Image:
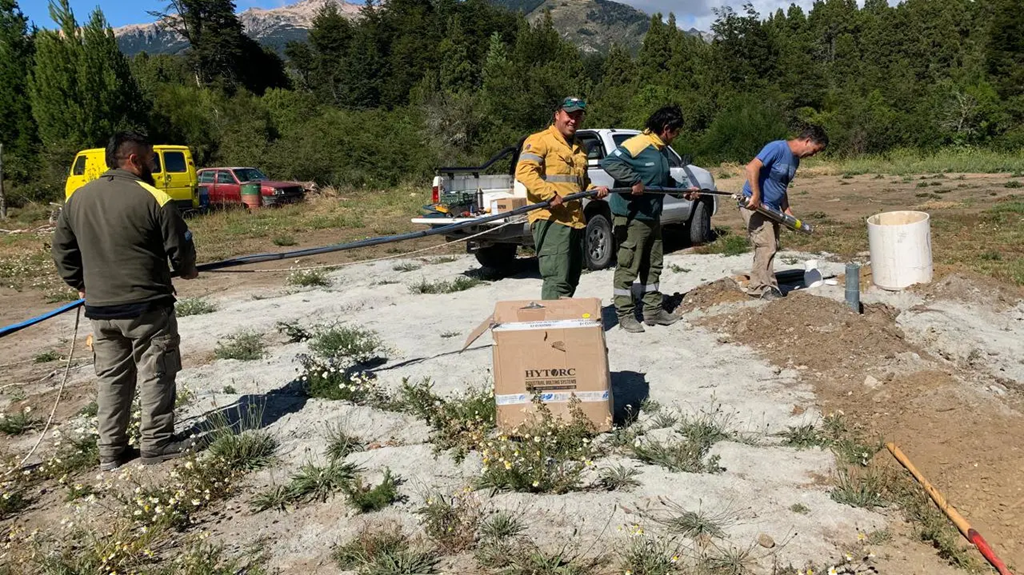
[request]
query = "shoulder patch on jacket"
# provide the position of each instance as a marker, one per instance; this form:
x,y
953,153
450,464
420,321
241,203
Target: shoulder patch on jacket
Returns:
x,y
159,195
636,144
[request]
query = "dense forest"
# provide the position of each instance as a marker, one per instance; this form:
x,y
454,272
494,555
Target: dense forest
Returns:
x,y
415,83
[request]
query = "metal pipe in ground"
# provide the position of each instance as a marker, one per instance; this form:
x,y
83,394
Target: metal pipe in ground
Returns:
x,y
853,286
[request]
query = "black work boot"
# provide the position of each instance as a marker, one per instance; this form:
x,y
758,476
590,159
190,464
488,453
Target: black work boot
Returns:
x,y
629,323
171,450
111,463
661,317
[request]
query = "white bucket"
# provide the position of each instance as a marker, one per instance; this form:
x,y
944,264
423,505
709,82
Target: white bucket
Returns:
x,y
901,249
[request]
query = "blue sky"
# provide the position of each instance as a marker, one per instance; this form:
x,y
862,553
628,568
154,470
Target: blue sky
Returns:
x,y
689,13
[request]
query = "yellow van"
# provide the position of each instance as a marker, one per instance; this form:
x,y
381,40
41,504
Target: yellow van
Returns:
x,y
174,173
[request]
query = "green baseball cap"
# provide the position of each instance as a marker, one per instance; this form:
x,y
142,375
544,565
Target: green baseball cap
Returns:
x,y
574,104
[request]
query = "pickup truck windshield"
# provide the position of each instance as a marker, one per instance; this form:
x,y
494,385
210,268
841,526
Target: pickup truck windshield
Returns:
x,y
250,175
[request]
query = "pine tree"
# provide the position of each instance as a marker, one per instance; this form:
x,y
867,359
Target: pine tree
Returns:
x,y
457,71
54,85
330,40
1004,51
220,53
17,128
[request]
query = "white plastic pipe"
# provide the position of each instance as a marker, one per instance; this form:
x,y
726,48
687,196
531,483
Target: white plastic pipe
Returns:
x,y
901,249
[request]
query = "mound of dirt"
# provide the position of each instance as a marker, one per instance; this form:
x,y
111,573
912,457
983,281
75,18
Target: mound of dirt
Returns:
x,y
709,295
819,333
971,288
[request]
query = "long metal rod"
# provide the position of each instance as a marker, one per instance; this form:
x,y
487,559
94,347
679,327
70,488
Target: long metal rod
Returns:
x,y
438,230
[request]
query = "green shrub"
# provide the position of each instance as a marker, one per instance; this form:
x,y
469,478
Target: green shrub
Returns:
x,y
354,343
244,346
547,454
193,306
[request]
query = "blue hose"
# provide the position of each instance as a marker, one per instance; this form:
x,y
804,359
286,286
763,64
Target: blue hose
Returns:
x,y
30,322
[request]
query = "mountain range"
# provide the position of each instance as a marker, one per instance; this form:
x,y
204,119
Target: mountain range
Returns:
x,y
593,25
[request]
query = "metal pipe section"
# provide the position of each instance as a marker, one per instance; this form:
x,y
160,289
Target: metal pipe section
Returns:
x,y
853,286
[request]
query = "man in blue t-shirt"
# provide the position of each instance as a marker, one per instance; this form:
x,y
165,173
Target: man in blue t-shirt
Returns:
x,y
768,177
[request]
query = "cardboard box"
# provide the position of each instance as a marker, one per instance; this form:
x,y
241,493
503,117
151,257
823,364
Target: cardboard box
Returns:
x,y
508,204
552,348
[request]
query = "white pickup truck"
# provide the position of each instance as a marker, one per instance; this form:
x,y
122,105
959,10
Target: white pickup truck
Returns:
x,y
462,194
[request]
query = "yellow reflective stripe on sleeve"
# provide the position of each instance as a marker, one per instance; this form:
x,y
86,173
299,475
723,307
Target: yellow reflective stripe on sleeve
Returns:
x,y
159,195
531,157
563,179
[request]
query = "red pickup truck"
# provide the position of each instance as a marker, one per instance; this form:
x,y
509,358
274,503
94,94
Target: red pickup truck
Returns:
x,y
224,186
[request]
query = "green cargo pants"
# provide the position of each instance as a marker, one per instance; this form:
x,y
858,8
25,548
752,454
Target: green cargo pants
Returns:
x,y
560,256
144,350
640,256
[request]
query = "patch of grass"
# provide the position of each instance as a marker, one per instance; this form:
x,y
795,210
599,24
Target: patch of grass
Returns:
x,y
355,343
450,334
59,294
502,525
310,483
46,357
908,162
385,550
922,185
799,508
90,409
406,267
647,554
697,434
526,558
833,434
284,240
75,454
1014,184
193,306
367,499
78,491
229,389
444,260
678,269
618,478
698,524
726,244
860,488
460,283
319,483
547,454
309,278
247,451
341,444
243,346
17,423
992,256
451,522
460,422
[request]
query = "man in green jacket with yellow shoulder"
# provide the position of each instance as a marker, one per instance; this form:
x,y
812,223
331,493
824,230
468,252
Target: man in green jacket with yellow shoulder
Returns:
x,y
639,162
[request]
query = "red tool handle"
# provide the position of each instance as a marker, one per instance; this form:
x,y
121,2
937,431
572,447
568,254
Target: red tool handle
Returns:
x,y
982,545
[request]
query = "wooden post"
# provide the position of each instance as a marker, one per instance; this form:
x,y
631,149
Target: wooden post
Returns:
x,y
3,200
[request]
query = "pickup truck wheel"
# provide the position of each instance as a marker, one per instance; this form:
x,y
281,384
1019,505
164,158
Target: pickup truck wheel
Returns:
x,y
600,243
700,224
498,257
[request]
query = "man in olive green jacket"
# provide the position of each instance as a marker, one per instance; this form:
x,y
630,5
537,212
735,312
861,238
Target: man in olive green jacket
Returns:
x,y
112,243
639,162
